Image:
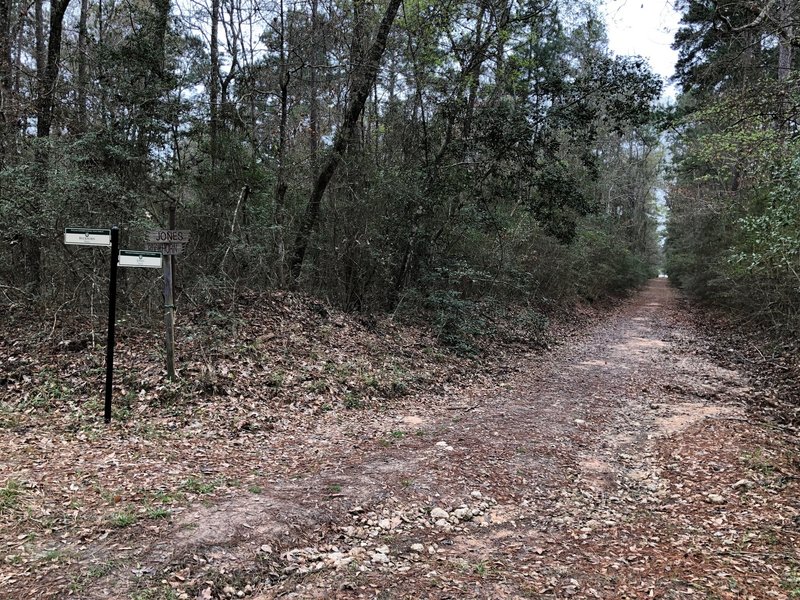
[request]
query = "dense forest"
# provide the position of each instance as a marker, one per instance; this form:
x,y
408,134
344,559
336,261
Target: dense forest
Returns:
x,y
734,232
399,155
380,155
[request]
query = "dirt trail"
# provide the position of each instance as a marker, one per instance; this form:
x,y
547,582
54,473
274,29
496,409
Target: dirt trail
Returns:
x,y
613,468
620,465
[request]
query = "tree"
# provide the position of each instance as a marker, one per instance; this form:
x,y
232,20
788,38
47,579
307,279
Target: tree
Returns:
x,y
734,148
394,154
362,79
7,112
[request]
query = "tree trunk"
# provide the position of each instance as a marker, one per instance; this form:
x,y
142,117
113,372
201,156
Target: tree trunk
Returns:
x,y
152,107
8,112
47,82
313,91
44,122
281,184
784,60
213,84
233,35
7,116
82,45
785,55
19,33
363,78
40,49
160,37
474,73
785,39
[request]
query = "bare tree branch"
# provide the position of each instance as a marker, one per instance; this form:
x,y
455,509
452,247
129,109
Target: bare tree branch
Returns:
x,y
762,16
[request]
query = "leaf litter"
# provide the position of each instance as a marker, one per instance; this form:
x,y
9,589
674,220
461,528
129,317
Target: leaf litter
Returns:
x,y
305,453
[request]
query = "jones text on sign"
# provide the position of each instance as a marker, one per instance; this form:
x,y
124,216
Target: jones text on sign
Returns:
x,y
168,236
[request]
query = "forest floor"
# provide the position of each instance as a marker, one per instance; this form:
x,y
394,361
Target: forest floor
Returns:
x,y
308,455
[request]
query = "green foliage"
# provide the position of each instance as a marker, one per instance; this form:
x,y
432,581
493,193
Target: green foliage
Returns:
x,y
734,228
771,237
765,255
791,583
508,157
455,320
158,592
353,402
604,266
9,494
196,485
123,519
157,512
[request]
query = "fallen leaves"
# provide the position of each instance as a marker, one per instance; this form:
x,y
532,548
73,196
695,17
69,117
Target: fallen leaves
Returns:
x,y
304,452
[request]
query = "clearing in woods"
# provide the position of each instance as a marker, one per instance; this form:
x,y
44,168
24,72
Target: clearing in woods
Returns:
x,y
622,464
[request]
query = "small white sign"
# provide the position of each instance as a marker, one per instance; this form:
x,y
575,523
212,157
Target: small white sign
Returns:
x,y
81,236
139,258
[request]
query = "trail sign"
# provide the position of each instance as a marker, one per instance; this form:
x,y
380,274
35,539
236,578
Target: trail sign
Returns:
x,y
168,241
81,236
112,321
168,236
166,248
119,258
140,258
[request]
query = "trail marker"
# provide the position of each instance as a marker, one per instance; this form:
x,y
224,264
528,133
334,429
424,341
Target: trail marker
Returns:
x,y
140,258
168,236
167,249
81,236
170,242
112,320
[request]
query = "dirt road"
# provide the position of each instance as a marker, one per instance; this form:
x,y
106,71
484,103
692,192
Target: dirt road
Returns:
x,y
622,464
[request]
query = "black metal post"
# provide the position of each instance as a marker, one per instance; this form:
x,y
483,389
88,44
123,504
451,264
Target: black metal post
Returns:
x,y
112,319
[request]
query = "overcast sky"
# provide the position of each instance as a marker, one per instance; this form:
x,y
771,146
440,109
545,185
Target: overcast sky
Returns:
x,y
645,28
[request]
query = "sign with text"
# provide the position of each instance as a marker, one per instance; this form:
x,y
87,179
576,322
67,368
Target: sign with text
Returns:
x,y
168,236
81,236
140,258
167,249
168,241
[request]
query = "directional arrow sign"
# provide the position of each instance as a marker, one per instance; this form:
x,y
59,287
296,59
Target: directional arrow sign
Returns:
x,y
166,249
81,236
140,258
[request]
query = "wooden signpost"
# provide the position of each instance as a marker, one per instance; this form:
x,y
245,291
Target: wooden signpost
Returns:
x,y
175,239
169,242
